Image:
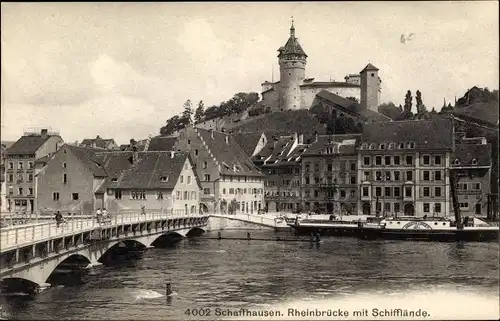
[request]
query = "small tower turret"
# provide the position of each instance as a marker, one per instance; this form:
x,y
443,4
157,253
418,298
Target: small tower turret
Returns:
x,y
370,87
292,61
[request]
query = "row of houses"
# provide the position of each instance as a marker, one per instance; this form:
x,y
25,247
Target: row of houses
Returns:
x,y
392,167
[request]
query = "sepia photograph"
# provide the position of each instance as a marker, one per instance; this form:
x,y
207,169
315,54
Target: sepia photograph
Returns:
x,y
330,160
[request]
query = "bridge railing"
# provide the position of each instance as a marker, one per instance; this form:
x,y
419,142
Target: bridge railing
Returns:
x,y
18,235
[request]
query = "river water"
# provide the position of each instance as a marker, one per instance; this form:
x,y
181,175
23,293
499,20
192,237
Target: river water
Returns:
x,y
447,280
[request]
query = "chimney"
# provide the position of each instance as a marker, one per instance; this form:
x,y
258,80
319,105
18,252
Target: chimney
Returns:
x,y
227,139
301,139
172,154
44,133
212,133
135,157
97,137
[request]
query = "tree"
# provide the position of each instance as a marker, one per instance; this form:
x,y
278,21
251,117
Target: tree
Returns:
x,y
173,124
422,112
188,109
407,114
199,113
390,110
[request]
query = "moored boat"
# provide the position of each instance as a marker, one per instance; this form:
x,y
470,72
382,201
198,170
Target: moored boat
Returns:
x,y
331,227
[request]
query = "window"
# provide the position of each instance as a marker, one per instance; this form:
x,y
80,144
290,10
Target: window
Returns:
x,y
196,152
409,160
307,180
366,160
11,190
408,192
397,175
409,175
342,193
427,160
387,191
437,160
464,206
387,176
378,191
437,208
378,160
231,191
396,208
186,195
65,178
74,196
353,179
367,176
365,191
396,160
206,177
118,194
206,191
189,179
20,165
387,207
193,195
316,167
427,176
205,164
30,191
426,207
20,190
397,191
437,191
138,195
164,178
316,193
353,166
378,175
55,196
178,195
381,146
412,145
159,195
477,186
437,175
10,178
329,167
306,167
11,165
64,165
189,141
182,178
31,165
387,160
427,191
30,177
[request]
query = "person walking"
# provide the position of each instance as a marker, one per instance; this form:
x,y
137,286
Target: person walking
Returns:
x,y
143,210
98,215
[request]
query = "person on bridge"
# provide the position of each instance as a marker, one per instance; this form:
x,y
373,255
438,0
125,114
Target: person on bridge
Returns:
x,y
143,210
98,216
59,218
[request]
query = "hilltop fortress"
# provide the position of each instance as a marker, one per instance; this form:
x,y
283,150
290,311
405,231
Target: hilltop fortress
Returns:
x,y
295,91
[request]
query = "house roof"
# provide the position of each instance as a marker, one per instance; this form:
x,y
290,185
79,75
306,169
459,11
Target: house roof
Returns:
x,y
486,113
467,153
349,105
89,159
369,67
344,144
248,141
433,134
115,162
162,143
148,170
98,141
231,157
28,144
281,147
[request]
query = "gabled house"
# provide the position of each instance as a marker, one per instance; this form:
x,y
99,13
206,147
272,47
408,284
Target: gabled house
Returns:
x,y
99,142
230,180
20,159
162,180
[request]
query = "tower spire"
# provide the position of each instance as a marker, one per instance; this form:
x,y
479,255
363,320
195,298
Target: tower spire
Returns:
x,y
292,29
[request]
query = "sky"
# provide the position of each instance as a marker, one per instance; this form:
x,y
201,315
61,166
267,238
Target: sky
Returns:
x,y
120,70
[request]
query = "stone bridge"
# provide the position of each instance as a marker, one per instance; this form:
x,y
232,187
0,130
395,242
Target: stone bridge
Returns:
x,y
32,252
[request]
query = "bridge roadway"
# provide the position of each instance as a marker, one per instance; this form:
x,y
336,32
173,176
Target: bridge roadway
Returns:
x,y
33,251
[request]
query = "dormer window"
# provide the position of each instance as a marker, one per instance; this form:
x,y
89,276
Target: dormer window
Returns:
x,y
372,146
401,145
391,146
456,162
164,178
474,162
364,146
381,146
412,144
114,179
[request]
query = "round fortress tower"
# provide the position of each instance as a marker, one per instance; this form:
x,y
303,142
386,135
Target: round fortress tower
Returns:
x,y
292,61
